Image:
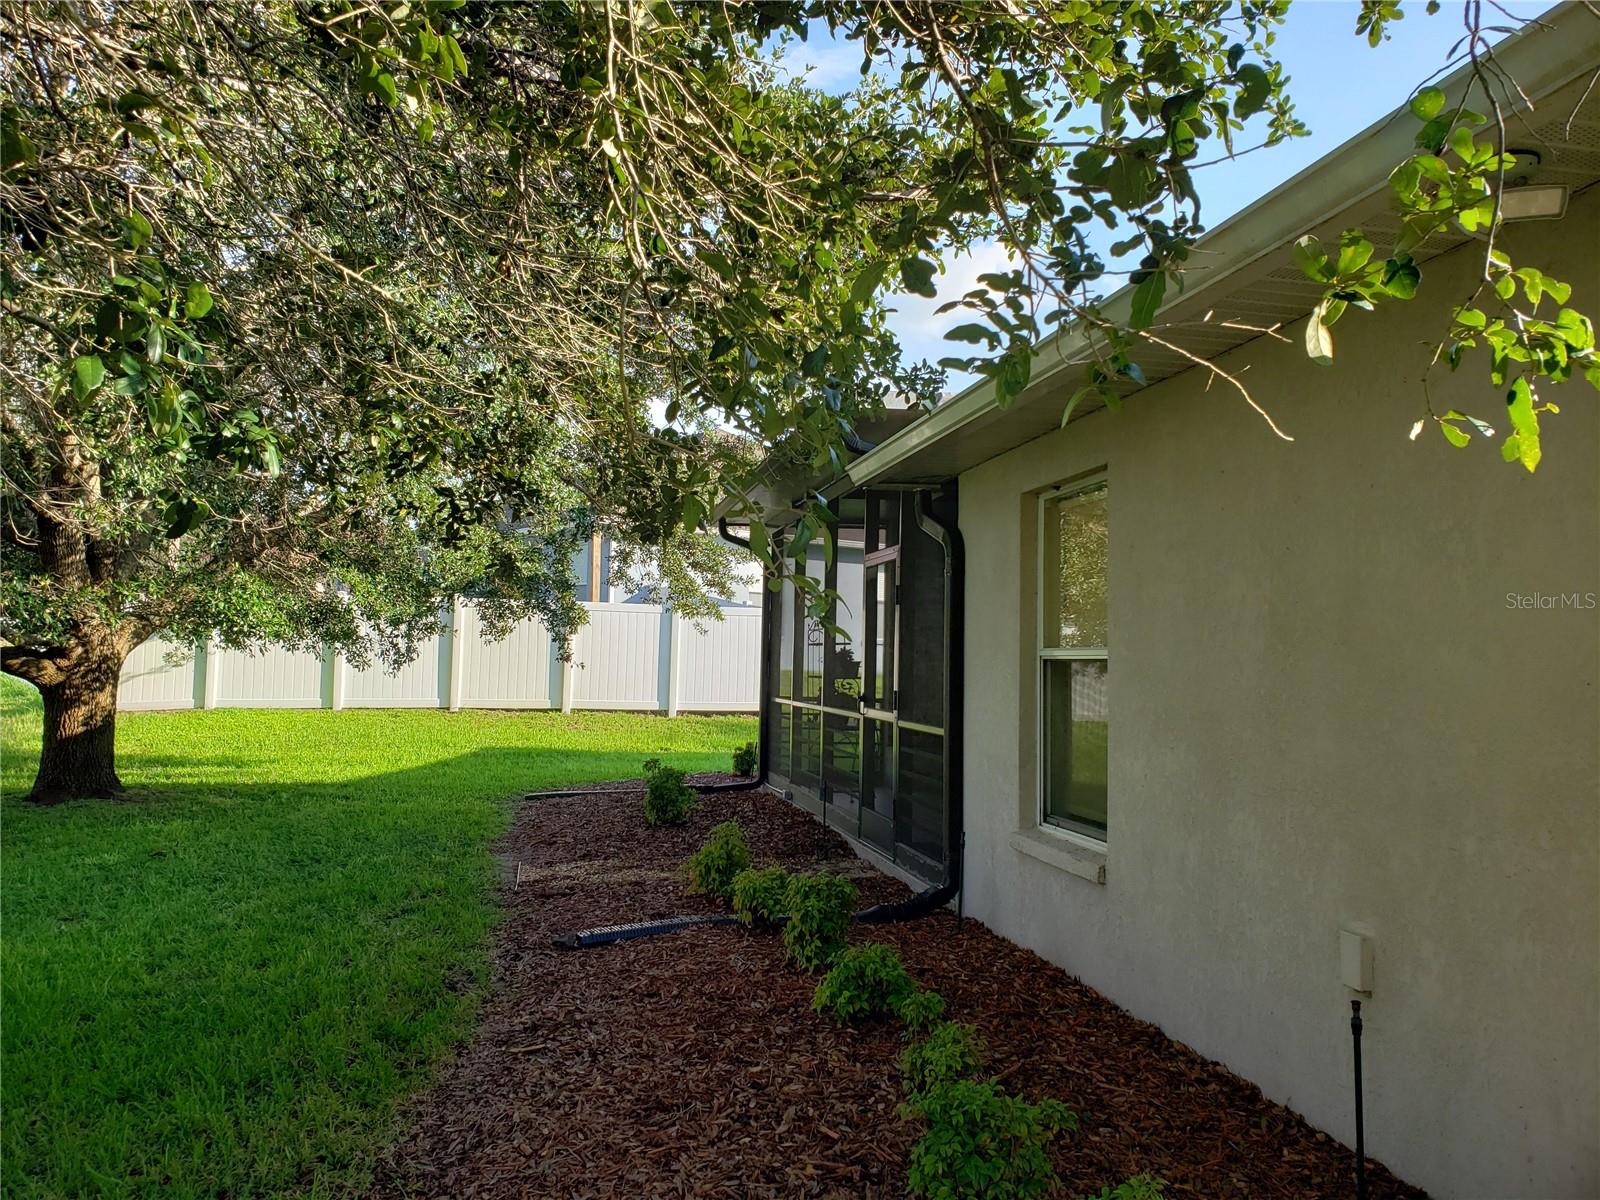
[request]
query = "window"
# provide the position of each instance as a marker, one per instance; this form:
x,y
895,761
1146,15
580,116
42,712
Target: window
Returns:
x,y
1072,659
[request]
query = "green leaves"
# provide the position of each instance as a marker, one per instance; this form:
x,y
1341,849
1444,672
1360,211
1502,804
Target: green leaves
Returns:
x,y
183,514
868,280
88,373
917,276
1015,367
1537,285
1146,300
1523,443
973,332
1255,86
197,300
1401,277
1354,252
136,229
1132,181
1427,104
1310,257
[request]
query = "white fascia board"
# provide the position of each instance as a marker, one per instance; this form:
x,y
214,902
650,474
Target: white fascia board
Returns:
x,y
1552,50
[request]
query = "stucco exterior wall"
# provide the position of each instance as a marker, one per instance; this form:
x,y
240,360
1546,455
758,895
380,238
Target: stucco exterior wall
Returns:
x,y
1325,713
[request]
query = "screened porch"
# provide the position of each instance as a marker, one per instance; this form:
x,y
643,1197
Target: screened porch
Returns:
x,y
857,722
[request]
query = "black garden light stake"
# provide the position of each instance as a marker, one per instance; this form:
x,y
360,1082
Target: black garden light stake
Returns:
x,y
1361,1133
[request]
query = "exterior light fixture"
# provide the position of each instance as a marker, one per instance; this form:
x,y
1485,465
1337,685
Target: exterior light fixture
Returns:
x,y
1537,202
1521,199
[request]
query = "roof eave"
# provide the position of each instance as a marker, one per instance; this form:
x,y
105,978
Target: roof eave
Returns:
x,y
1551,51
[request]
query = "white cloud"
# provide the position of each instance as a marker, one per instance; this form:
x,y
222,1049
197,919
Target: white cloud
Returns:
x,y
921,328
826,64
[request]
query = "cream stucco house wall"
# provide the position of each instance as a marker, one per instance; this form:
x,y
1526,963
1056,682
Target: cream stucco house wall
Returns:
x,y
1326,710
1348,684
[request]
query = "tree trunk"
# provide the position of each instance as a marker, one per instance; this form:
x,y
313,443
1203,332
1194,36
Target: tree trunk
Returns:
x,y
78,757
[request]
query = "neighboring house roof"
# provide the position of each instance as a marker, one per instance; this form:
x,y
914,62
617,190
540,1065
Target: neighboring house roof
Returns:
x,y
1247,275
644,596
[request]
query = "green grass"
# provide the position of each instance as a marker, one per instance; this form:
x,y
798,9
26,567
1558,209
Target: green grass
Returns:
x,y
223,985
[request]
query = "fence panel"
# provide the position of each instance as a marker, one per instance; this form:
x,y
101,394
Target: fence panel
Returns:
x,y
275,678
519,671
618,658
719,668
424,682
149,681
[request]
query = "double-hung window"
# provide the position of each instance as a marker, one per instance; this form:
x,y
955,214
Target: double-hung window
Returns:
x,y
1073,658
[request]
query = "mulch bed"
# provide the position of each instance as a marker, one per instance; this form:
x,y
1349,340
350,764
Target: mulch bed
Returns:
x,y
692,1065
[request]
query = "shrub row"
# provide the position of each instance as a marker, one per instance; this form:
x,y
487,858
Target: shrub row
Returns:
x,y
814,910
979,1142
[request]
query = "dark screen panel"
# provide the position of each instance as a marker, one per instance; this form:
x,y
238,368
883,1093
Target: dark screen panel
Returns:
x,y
780,721
879,669
814,636
807,771
919,794
922,640
841,758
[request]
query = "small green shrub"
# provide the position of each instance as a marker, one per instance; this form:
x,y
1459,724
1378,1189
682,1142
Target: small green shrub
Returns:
x,y
982,1144
668,800
948,1054
712,868
759,896
865,981
744,759
921,1010
1140,1187
819,906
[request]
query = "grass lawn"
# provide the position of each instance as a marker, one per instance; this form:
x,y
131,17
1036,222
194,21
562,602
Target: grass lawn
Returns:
x,y
224,984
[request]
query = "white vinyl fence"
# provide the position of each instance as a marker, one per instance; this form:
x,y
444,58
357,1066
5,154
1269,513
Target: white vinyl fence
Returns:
x,y
628,656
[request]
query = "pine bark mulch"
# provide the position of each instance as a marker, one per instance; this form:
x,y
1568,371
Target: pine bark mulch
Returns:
x,y
691,1064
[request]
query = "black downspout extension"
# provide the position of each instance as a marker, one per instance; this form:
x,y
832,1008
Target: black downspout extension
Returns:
x,y
1361,1131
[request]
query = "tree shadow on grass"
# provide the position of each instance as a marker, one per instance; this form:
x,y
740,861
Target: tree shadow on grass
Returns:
x,y
227,986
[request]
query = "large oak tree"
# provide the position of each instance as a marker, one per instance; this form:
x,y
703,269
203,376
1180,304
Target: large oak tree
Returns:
x,y
317,313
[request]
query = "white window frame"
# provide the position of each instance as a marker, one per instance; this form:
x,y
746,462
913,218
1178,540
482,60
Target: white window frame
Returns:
x,y
1044,654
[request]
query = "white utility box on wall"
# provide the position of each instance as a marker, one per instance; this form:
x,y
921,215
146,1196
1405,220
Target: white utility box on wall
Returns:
x,y
1355,960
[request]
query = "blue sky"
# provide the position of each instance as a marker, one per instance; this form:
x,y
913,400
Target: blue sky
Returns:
x,y
1338,83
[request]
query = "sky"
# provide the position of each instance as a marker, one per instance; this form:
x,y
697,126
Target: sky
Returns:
x,y
1339,86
